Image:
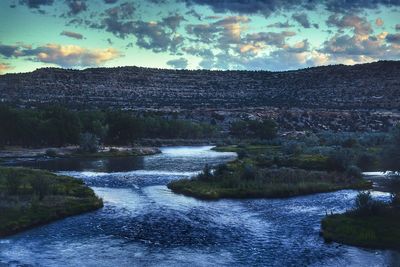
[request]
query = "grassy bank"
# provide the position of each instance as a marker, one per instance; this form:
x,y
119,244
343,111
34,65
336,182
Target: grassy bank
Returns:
x,y
74,151
238,182
279,169
380,231
30,198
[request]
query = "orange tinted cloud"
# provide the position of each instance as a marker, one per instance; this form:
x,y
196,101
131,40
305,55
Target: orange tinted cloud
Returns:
x,y
4,67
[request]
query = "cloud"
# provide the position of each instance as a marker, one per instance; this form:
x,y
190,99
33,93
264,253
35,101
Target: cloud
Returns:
x,y
194,13
358,5
173,21
360,25
36,3
302,19
74,35
397,27
110,1
277,39
153,36
280,25
393,38
261,7
76,6
5,67
74,56
227,30
8,50
65,55
379,22
266,8
180,63
117,20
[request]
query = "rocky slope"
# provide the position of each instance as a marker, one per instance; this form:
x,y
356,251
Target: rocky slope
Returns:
x,y
365,86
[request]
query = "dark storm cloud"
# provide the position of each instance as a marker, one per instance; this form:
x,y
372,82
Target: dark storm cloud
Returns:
x,y
302,19
74,35
265,7
251,6
345,6
180,63
36,3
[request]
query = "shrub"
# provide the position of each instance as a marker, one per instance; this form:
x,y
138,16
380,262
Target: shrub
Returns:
x,y
221,169
51,153
366,161
249,173
205,174
365,205
242,154
354,172
293,148
339,160
349,143
88,143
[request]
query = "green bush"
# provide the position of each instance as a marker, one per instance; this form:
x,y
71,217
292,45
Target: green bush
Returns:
x,y
365,205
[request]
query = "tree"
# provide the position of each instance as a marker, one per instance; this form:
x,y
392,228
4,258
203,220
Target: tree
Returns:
x,y
391,153
248,173
88,143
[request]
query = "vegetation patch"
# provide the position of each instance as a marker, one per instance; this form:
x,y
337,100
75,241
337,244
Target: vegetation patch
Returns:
x,y
30,198
244,181
371,224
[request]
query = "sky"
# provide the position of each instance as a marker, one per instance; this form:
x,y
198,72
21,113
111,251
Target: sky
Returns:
x,y
272,35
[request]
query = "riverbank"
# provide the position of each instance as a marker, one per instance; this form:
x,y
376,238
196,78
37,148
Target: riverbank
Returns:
x,y
73,151
30,198
374,231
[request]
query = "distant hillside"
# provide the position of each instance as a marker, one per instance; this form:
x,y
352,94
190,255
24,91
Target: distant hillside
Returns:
x,y
366,86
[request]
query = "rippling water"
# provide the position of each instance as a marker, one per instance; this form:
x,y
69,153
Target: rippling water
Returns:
x,y
144,224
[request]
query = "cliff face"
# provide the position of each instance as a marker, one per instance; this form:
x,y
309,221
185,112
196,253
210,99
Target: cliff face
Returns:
x,y
366,86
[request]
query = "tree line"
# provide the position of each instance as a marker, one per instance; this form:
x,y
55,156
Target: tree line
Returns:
x,y
58,126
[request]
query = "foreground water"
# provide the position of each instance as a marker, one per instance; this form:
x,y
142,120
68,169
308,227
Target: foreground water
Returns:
x,y
144,224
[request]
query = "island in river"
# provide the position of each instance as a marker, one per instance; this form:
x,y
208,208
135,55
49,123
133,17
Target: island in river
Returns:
x,y
264,171
30,198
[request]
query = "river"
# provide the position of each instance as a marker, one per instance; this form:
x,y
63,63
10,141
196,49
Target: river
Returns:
x,y
144,224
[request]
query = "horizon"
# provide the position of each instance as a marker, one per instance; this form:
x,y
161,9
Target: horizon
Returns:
x,y
194,34
213,70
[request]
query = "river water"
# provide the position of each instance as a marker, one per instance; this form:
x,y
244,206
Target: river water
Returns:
x,y
144,224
